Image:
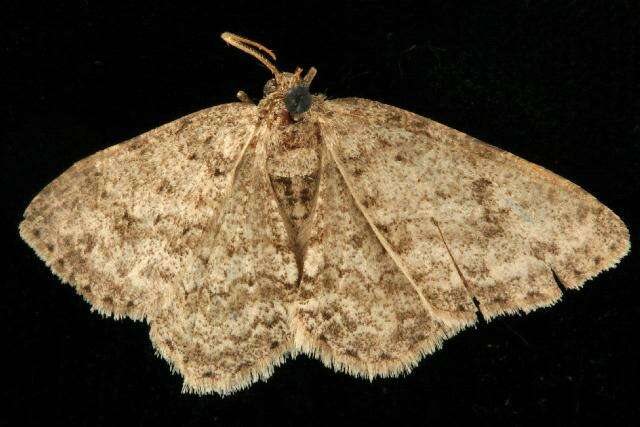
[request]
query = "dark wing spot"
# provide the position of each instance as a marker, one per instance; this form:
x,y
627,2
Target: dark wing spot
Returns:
x,y
351,353
305,196
480,189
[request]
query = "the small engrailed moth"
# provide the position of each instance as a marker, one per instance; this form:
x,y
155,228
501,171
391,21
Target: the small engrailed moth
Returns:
x,y
346,229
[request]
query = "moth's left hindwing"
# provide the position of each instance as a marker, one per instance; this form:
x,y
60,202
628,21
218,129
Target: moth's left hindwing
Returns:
x,y
232,328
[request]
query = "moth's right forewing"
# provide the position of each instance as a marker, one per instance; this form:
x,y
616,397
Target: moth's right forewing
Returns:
x,y
122,226
507,225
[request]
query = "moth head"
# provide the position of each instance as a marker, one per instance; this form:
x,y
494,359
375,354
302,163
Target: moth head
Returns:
x,y
291,88
298,99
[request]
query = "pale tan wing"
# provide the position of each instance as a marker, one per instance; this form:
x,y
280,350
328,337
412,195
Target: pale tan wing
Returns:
x,y
507,223
356,310
231,329
122,225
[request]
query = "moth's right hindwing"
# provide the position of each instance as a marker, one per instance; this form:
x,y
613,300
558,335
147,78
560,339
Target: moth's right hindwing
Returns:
x,y
356,310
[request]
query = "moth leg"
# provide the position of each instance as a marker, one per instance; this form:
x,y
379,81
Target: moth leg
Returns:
x,y
244,98
308,78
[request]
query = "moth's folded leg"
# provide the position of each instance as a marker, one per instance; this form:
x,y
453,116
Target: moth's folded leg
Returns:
x,y
224,337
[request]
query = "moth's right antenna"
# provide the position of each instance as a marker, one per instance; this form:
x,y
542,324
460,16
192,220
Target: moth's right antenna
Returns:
x,y
251,47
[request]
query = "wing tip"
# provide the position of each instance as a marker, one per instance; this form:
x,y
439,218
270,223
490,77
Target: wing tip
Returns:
x,y
613,261
105,306
574,275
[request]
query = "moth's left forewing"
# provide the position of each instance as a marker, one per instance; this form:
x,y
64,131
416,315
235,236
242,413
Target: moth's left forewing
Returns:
x,y
122,226
505,224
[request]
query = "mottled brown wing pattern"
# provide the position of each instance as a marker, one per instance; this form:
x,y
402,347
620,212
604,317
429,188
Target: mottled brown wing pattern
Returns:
x,y
179,226
186,226
507,224
121,225
355,309
232,328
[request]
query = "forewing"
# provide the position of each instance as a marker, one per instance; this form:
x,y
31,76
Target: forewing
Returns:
x,y
356,310
123,225
507,224
229,330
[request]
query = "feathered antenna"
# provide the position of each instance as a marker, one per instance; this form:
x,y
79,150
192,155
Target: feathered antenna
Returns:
x,y
252,48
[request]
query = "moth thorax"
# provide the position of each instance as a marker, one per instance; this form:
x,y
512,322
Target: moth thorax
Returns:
x,y
293,164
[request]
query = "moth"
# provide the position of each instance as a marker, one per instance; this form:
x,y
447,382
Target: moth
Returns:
x,y
346,229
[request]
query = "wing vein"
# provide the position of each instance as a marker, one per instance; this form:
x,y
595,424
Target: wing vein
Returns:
x,y
383,241
264,175
465,283
231,184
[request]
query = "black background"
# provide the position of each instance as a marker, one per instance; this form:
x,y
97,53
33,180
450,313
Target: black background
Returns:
x,y
555,82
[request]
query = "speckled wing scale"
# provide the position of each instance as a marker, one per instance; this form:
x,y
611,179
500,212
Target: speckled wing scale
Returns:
x,y
418,225
349,230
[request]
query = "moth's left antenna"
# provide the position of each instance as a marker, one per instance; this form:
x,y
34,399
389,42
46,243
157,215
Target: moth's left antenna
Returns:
x,y
252,48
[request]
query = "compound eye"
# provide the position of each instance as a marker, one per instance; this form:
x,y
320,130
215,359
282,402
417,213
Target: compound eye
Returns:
x,y
298,99
269,87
